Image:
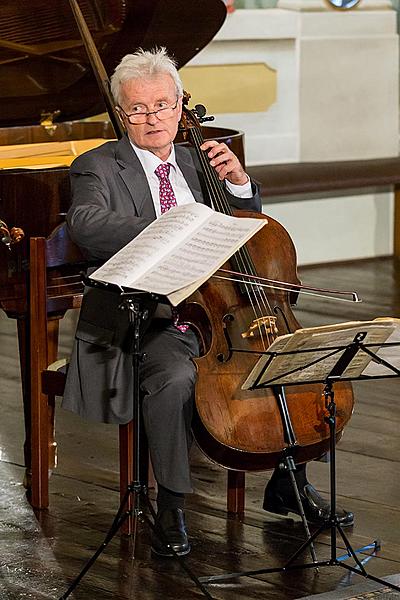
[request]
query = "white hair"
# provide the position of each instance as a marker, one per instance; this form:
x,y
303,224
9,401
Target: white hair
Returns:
x,y
143,64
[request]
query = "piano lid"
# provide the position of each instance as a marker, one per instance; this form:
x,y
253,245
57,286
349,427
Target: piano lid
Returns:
x,y
43,63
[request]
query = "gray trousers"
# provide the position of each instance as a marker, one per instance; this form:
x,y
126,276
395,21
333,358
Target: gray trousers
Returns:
x,y
99,383
167,379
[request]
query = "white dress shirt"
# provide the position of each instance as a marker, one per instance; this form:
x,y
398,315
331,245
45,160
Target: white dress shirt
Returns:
x,y
183,195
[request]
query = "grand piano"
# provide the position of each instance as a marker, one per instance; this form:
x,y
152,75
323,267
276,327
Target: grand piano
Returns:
x,y
47,87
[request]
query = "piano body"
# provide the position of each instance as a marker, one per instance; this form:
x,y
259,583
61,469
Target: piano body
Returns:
x,y
46,88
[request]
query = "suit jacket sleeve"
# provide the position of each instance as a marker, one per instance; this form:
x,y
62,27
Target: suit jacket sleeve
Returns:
x,y
102,218
253,203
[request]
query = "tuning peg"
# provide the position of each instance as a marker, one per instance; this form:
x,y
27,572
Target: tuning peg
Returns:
x,y
200,110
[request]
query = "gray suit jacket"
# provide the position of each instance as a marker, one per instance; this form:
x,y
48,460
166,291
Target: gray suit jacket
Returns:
x,y
111,204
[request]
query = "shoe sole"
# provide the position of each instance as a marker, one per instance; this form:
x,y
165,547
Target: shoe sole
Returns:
x,y
282,510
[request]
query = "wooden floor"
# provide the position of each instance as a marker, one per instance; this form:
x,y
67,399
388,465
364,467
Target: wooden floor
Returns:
x,y
40,555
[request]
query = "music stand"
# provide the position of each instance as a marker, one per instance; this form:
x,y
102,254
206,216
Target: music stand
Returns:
x,y
137,304
336,373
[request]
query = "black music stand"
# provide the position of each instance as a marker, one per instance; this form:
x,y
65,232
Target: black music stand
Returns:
x,y
137,304
346,353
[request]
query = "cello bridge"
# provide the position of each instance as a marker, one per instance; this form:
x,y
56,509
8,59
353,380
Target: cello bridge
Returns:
x,y
264,325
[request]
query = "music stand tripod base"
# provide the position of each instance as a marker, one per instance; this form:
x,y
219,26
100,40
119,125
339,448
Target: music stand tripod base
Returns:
x,y
332,524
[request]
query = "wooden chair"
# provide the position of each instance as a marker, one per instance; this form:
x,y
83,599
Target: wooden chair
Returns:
x,y
55,287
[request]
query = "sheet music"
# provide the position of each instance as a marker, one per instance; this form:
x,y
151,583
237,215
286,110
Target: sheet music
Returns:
x,y
317,364
197,257
185,245
391,354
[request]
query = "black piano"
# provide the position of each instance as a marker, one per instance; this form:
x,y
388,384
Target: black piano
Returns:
x,y
47,87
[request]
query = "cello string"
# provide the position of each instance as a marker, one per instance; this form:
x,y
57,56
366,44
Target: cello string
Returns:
x,y
242,257
221,204
259,301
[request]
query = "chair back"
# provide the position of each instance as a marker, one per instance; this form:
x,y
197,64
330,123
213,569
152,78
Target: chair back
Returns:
x,y
55,285
55,266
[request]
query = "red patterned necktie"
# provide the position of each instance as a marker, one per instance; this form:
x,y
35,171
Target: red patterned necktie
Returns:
x,y
167,201
167,196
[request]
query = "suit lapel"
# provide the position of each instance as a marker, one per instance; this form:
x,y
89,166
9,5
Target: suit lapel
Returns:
x,y
186,165
134,177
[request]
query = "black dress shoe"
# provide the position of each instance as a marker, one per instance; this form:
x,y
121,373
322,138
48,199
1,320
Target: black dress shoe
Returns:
x,y
172,523
316,509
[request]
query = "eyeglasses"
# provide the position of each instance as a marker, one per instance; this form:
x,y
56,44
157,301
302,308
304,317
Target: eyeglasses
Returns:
x,y
140,116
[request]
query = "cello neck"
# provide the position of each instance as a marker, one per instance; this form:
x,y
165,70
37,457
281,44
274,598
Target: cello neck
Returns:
x,y
214,187
98,68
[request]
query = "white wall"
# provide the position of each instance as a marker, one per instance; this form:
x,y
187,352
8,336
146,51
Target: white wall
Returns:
x,y
337,99
342,228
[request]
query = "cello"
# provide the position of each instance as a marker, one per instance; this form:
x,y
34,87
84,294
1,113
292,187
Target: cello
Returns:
x,y
249,430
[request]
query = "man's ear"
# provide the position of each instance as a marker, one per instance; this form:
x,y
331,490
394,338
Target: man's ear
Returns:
x,y
179,107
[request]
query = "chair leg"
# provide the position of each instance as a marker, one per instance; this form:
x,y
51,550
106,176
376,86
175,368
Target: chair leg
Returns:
x,y
52,351
24,359
52,444
38,362
126,472
40,452
235,492
43,445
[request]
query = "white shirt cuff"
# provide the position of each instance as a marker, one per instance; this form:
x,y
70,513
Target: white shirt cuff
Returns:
x,y
240,191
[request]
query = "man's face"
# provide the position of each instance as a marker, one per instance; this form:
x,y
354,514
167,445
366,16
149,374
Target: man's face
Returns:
x,y
149,94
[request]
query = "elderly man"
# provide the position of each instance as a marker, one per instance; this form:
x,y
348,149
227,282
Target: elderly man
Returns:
x,y
118,189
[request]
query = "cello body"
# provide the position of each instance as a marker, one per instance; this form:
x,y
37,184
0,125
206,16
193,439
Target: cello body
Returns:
x,y
244,429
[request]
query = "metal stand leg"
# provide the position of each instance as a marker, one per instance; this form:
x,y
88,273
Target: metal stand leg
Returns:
x,y
291,467
287,463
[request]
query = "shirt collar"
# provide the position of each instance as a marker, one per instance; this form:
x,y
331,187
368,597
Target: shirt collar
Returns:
x,y
150,161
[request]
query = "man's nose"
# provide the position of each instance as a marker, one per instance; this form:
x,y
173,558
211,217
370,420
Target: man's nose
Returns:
x,y
152,118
